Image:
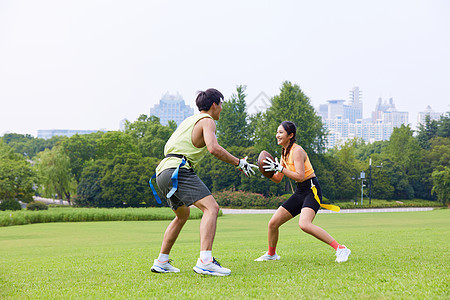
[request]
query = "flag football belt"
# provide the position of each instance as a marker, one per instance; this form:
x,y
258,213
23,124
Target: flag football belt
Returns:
x,y
326,206
184,160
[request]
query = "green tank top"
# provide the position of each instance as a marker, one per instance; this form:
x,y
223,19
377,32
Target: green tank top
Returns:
x,y
181,143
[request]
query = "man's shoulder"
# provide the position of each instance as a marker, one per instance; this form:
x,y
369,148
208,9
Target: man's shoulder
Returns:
x,y
205,119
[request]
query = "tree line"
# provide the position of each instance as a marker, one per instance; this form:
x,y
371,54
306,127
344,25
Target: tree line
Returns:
x,y
112,169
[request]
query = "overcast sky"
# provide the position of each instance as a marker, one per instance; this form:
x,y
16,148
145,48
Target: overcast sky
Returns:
x,y
88,64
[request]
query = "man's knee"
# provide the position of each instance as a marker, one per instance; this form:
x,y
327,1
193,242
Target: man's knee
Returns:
x,y
208,205
182,214
213,208
182,219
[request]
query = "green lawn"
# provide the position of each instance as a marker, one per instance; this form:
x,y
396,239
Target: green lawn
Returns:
x,y
394,255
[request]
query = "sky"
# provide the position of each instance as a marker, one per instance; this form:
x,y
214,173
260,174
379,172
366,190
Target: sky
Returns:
x,y
88,64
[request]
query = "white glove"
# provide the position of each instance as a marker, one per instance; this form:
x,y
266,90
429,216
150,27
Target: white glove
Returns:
x,y
245,167
272,165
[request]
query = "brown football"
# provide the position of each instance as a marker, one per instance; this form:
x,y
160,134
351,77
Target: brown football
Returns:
x,y
262,156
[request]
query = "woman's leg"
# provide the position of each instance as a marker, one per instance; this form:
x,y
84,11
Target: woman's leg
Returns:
x,y
280,217
306,217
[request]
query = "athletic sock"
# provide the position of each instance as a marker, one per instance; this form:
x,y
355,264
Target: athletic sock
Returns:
x,y
271,250
205,256
336,245
163,258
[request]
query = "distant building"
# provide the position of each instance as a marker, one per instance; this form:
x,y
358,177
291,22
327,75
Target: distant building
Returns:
x,y
396,118
122,124
171,107
382,107
355,107
427,112
323,111
48,133
345,121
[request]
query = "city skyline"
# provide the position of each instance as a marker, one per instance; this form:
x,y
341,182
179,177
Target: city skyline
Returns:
x,y
412,119
83,65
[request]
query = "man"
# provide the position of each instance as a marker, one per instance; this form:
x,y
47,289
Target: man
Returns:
x,y
185,148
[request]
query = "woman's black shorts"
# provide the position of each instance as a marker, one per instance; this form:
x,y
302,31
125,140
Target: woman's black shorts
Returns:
x,y
303,197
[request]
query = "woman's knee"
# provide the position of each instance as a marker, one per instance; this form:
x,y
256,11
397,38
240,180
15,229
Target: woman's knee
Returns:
x,y
305,226
274,224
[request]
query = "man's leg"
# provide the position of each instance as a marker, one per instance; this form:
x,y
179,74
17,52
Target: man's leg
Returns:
x,y
210,209
174,228
162,263
206,264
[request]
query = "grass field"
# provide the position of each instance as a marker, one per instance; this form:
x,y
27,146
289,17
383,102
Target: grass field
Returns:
x,y
394,255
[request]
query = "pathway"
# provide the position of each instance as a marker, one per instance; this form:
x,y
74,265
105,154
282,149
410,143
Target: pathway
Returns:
x,y
230,211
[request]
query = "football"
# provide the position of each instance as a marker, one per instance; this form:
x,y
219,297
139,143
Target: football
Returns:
x,y
262,156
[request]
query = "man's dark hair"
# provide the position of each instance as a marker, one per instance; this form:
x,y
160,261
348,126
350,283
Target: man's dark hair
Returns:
x,y
205,99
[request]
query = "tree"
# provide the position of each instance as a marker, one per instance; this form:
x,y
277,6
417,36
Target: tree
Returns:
x,y
115,143
16,176
365,151
293,105
121,182
125,182
150,135
346,167
21,143
441,184
439,153
79,149
404,150
89,190
29,146
53,168
233,128
444,126
426,132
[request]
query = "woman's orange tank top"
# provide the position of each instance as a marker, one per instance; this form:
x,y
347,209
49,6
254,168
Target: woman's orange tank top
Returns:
x,y
289,163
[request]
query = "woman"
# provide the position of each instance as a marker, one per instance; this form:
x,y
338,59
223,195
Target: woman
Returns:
x,y
305,201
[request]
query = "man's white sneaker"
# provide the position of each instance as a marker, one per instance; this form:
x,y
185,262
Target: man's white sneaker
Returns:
x,y
211,268
266,256
166,267
342,254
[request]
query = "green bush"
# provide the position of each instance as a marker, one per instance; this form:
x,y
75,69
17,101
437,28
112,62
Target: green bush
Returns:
x,y
71,214
37,205
10,204
239,199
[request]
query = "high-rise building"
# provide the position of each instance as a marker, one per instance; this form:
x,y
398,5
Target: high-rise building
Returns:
x,y
396,118
421,116
171,107
323,111
335,109
355,104
345,122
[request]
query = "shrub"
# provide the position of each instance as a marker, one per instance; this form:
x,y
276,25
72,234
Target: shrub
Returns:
x,y
10,204
37,205
239,199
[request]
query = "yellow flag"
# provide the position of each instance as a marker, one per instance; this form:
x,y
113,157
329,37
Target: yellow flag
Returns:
x,y
326,206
